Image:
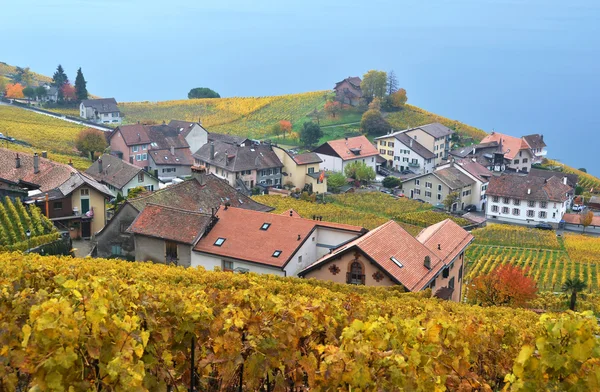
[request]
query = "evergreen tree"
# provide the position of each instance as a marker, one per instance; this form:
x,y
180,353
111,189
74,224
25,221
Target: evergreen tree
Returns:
x,y
59,79
80,86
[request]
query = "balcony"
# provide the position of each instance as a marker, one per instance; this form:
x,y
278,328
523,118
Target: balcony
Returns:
x,y
414,164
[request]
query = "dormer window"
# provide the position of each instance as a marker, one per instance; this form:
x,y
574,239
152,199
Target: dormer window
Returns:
x,y
265,226
219,241
276,253
395,260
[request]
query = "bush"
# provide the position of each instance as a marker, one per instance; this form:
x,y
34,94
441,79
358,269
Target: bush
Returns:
x,y
391,182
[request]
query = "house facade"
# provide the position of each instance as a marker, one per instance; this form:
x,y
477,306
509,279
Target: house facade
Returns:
x,y
348,91
435,137
120,176
389,255
100,111
302,170
167,164
537,145
489,155
401,152
337,154
517,152
528,199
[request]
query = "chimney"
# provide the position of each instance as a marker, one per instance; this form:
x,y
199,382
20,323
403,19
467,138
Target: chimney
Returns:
x,y
227,205
17,162
36,163
172,150
226,157
44,154
427,262
439,247
212,150
291,213
565,180
299,237
99,165
199,173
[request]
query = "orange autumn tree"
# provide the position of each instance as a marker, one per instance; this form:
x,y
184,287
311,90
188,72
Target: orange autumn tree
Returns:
x,y
68,92
15,90
506,285
332,108
285,126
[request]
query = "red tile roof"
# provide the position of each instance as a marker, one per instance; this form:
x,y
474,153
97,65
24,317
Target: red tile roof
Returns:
x,y
170,224
343,147
245,240
306,158
391,240
510,145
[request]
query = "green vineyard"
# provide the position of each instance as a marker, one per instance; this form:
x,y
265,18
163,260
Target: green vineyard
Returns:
x,y
15,220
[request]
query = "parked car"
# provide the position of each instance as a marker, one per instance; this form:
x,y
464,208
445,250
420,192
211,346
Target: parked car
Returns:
x,y
471,208
420,200
577,207
544,226
385,190
407,172
384,171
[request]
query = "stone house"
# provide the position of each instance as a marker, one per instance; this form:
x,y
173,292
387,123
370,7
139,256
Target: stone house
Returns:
x,y
348,91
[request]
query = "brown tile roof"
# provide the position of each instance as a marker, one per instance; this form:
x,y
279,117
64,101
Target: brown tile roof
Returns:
x,y
115,172
353,80
436,130
50,176
245,240
535,140
102,105
157,136
170,224
475,169
344,148
453,177
528,187
181,157
572,179
230,139
575,219
236,158
306,158
510,145
391,240
475,149
193,196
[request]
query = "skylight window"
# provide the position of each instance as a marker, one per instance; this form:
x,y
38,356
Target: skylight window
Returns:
x,y
265,226
276,253
219,241
395,260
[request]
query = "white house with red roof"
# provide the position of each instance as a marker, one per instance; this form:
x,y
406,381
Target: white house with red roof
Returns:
x,y
389,255
517,152
337,154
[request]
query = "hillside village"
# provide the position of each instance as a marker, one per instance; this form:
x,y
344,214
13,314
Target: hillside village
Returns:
x,y
425,209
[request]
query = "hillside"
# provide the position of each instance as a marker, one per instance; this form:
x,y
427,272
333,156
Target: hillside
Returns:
x,y
9,70
114,325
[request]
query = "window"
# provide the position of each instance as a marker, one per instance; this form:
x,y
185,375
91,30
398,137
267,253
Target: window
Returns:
x,y
543,204
138,157
390,144
141,176
124,226
525,160
432,285
495,199
135,148
219,241
427,194
451,283
531,203
516,161
445,272
506,200
460,273
115,250
299,259
149,187
418,182
439,188
144,147
395,260
530,213
355,276
276,253
466,193
311,170
227,265
520,153
57,205
516,211
390,152
517,202
85,192
265,226
505,210
172,170
494,208
382,142
417,191
439,196
404,159
144,157
382,152
170,251
428,184
542,214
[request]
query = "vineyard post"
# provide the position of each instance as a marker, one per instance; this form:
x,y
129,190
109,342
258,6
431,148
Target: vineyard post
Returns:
x,y
192,370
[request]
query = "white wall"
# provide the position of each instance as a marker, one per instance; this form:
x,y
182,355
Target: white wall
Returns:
x,y
197,138
330,163
133,183
330,237
423,168
554,211
211,261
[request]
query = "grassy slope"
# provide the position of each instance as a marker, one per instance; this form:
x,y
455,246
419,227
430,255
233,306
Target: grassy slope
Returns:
x,y
9,70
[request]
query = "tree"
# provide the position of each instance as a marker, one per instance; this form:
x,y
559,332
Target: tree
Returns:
x,y
573,286
41,92
3,85
335,181
398,99
360,172
450,200
586,219
29,92
24,76
80,86
135,192
373,85
90,141
310,133
285,126
582,169
202,92
373,123
391,182
14,90
579,190
332,108
375,104
506,285
59,79
392,83
316,116
68,92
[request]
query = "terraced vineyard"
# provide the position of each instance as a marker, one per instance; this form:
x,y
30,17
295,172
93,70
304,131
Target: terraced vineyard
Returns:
x,y
15,220
587,181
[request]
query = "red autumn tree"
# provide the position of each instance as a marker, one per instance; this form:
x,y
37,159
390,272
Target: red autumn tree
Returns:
x,y
68,92
285,126
333,107
15,90
506,285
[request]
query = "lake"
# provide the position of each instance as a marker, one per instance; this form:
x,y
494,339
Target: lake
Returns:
x,y
517,67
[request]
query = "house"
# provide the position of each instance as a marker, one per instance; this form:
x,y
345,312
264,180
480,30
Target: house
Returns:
x,y
435,137
572,179
537,145
72,200
527,199
389,256
467,178
247,240
100,111
193,132
51,94
594,203
166,235
348,91
243,166
302,170
120,176
170,157
516,151
201,194
337,154
12,190
402,152
489,155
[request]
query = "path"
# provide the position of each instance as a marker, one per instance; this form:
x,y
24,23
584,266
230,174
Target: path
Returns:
x,y
340,125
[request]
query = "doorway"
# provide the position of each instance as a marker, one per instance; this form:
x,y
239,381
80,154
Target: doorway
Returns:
x,y
86,229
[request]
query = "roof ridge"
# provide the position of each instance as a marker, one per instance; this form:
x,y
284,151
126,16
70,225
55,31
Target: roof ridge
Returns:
x,y
177,209
170,187
440,223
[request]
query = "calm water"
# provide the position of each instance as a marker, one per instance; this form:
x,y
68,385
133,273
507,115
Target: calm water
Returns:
x,y
514,66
